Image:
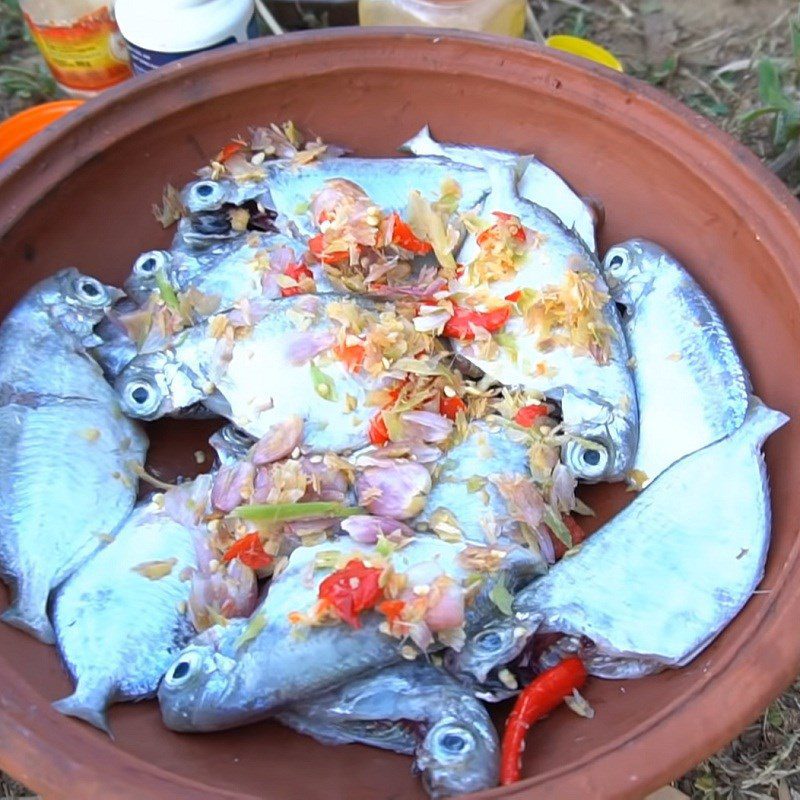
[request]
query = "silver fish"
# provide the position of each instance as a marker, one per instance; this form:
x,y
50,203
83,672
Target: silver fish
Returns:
x,y
119,620
388,181
244,268
536,181
410,708
691,384
68,457
597,396
655,585
250,670
263,377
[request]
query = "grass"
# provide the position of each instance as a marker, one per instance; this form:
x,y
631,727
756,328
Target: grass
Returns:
x,y
738,63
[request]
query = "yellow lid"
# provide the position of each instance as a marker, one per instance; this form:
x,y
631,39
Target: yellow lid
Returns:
x,y
585,49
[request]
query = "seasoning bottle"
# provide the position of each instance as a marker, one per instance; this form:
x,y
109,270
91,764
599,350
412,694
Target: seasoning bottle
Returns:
x,y
159,31
505,17
80,42
301,14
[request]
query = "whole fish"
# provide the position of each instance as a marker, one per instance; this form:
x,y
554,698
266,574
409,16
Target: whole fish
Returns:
x,y
275,361
410,708
121,619
68,456
287,190
243,268
691,384
657,583
536,181
250,670
563,338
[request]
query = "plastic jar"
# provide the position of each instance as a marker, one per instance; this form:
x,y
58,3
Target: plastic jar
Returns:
x,y
80,43
490,16
160,31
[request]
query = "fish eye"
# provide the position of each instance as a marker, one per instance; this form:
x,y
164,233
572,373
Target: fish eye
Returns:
x,y
141,398
205,194
489,641
150,262
453,741
183,669
91,292
587,461
616,261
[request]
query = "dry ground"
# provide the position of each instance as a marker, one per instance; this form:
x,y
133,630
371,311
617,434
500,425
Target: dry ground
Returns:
x,y
736,61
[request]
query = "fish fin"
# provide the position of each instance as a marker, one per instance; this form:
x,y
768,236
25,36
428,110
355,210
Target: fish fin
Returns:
x,y
31,620
78,706
761,421
420,144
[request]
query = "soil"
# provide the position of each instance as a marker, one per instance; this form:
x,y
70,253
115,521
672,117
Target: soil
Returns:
x,y
708,54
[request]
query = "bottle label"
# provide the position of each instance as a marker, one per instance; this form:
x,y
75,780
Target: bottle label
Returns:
x,y
143,59
88,55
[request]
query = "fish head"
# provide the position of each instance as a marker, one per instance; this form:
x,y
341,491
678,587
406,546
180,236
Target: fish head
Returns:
x,y
156,384
200,690
603,439
482,664
629,269
142,281
459,755
78,302
231,444
205,195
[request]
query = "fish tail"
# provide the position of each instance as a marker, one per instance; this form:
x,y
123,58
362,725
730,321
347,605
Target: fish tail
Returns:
x,y
761,421
89,707
28,612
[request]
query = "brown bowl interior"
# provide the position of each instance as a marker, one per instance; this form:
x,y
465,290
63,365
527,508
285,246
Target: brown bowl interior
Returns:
x,y
82,194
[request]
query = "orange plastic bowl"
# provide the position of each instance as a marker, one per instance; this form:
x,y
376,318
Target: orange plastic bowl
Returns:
x,y
16,130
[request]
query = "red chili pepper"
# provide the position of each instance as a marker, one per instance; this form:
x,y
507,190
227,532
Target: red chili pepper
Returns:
x,y
540,697
450,406
296,272
404,237
378,432
527,415
230,149
459,326
514,296
351,355
391,609
316,246
351,590
249,551
577,533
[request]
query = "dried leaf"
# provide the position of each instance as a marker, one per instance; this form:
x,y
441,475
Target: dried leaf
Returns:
x,y
156,570
172,208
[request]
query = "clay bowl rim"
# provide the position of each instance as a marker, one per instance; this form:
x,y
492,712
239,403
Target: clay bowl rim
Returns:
x,y
60,765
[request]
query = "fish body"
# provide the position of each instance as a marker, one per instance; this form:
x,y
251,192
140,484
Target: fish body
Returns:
x,y
410,708
120,620
691,384
536,181
68,456
593,381
657,583
262,374
227,678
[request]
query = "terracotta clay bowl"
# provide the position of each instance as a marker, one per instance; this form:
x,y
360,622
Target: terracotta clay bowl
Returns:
x,y
81,194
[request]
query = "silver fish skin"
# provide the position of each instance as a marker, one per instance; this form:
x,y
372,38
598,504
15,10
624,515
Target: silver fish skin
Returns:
x,y
536,181
452,738
388,181
232,271
691,384
67,453
598,401
657,583
119,630
260,382
115,348
223,680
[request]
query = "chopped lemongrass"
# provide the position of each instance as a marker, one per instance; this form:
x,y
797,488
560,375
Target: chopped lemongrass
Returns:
x,y
166,291
323,385
502,598
282,512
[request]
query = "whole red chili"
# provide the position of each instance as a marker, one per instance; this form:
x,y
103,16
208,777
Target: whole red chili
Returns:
x,y
351,590
545,693
249,551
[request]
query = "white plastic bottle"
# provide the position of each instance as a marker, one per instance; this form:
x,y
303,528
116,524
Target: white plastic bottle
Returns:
x,y
160,31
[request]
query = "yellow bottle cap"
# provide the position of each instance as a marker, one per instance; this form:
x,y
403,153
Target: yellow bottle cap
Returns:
x,y
585,49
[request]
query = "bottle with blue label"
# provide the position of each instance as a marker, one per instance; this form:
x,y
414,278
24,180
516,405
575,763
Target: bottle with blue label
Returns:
x,y
158,32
